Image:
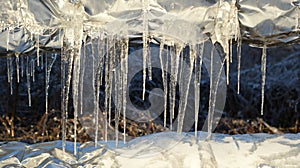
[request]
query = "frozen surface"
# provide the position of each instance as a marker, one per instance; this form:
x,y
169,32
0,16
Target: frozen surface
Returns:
x,y
166,149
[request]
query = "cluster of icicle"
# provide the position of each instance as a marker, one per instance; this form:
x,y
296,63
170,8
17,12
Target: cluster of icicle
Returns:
x,y
74,33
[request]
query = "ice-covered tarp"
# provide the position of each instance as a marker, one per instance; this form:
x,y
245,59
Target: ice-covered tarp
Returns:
x,y
28,25
162,150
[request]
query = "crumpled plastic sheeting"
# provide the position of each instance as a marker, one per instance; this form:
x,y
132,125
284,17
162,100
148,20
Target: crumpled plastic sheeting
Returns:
x,y
267,21
149,149
165,149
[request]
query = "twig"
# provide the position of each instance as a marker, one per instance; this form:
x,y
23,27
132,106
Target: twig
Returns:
x,y
272,129
5,125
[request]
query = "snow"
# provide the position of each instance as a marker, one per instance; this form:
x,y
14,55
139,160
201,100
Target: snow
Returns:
x,y
167,149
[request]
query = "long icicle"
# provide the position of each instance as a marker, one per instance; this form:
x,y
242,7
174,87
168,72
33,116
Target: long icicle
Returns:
x,y
32,64
63,79
118,82
172,95
124,89
197,84
94,72
145,44
197,92
12,76
46,93
48,69
239,56
178,55
18,66
28,81
263,72
111,74
76,74
213,94
161,47
8,69
185,88
98,84
68,60
38,50
82,77
106,79
22,66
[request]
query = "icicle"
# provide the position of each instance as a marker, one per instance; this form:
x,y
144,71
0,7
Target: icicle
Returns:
x,y
113,74
165,82
175,57
227,67
62,67
46,98
145,44
28,81
197,93
166,86
122,82
125,84
68,56
99,83
82,77
63,111
93,57
11,74
22,67
42,61
67,86
118,82
185,88
38,50
48,69
180,65
107,86
149,63
197,84
144,66
68,81
8,69
210,110
96,100
75,81
18,67
263,72
239,53
172,95
214,82
32,63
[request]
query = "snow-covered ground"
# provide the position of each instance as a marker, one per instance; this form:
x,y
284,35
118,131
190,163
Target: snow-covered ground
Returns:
x,y
162,150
